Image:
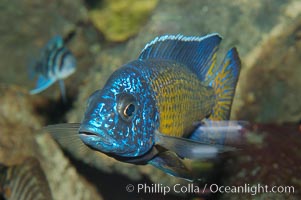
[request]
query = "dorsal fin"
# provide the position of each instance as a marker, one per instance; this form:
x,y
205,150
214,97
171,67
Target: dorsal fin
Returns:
x,y
197,53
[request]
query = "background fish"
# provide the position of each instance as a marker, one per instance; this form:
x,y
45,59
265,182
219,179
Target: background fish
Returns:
x,y
25,181
55,64
149,109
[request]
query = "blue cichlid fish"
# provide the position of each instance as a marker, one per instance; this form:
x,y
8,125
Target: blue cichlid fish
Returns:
x,y
159,108
25,181
55,64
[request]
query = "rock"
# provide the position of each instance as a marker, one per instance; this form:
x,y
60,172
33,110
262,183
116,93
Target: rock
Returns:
x,y
275,65
64,181
119,20
19,126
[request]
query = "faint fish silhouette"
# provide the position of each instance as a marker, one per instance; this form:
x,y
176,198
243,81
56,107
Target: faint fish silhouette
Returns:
x,y
55,64
25,181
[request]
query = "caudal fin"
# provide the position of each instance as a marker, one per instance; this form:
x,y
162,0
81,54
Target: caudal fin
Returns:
x,y
223,79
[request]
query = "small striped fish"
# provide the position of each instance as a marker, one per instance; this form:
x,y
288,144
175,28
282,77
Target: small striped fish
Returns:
x,y
55,64
25,181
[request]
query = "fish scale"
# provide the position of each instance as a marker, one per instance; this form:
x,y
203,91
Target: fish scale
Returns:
x,y
182,100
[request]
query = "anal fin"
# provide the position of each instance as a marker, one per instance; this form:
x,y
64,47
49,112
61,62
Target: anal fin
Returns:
x,y
63,91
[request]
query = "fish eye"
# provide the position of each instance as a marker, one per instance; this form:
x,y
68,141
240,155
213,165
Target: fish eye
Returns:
x,y
129,110
126,106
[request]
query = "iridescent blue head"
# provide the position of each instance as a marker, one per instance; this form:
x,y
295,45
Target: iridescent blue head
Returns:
x,y
121,118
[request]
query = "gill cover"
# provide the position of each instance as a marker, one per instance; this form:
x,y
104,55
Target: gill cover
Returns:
x,y
121,118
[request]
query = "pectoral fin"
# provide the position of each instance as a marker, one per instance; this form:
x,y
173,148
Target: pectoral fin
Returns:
x,y
171,164
221,132
42,84
187,148
66,134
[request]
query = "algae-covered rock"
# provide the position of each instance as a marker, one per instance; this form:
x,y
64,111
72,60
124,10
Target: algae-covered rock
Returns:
x,y
118,20
18,124
274,96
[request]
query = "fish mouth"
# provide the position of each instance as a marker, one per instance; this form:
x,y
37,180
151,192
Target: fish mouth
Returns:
x,y
93,138
100,140
86,137
84,133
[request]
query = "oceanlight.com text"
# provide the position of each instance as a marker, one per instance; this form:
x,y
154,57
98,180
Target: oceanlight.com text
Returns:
x,y
208,188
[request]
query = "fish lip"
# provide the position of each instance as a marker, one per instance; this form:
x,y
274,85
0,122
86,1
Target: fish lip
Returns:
x,y
85,133
99,140
89,136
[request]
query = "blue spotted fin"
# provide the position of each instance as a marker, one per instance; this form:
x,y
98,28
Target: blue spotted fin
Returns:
x,y
232,133
197,53
42,84
191,149
223,79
